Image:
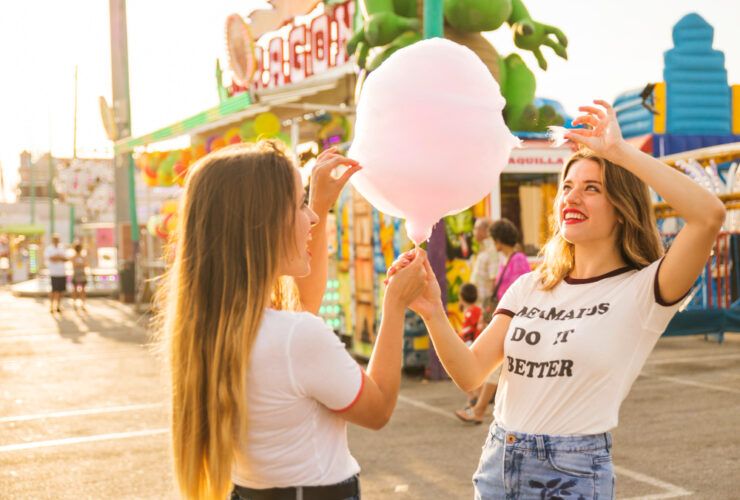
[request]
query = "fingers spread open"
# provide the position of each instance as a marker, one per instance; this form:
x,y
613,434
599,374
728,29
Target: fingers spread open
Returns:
x,y
582,132
587,119
604,104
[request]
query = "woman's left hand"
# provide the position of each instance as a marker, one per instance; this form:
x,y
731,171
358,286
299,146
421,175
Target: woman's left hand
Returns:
x,y
605,136
325,187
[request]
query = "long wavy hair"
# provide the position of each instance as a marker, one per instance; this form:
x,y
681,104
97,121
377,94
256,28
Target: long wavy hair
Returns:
x,y
638,238
235,221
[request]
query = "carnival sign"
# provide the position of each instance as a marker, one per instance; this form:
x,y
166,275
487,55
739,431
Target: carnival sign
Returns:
x,y
309,48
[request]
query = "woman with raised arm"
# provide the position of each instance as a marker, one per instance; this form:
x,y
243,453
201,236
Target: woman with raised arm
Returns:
x,y
261,392
574,334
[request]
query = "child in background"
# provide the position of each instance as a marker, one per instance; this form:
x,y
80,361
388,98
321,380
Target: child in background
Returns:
x,y
468,296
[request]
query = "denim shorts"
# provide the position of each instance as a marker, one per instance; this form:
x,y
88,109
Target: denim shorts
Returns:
x,y
520,466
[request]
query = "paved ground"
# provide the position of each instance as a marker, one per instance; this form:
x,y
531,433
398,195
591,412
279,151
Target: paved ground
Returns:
x,y
83,416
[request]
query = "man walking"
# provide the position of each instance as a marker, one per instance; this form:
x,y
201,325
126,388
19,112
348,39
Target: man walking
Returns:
x,y
56,256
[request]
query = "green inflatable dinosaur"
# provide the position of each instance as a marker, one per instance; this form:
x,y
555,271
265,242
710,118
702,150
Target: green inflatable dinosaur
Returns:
x,y
393,24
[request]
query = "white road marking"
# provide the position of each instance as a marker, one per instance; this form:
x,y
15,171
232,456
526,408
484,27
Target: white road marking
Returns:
x,y
429,408
91,411
673,491
18,361
683,381
61,335
693,359
85,439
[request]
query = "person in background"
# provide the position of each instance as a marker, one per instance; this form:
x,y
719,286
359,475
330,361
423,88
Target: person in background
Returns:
x,y
56,256
485,261
262,389
506,241
467,298
79,277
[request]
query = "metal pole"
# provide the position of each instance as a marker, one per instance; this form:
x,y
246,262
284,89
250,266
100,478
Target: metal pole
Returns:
x,y
437,246
32,187
51,193
71,222
125,188
74,135
74,156
433,19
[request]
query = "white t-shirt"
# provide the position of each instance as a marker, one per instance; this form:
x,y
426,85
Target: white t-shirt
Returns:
x,y
56,268
299,375
572,353
485,268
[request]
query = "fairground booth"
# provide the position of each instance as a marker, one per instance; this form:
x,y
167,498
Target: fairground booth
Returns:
x,y
292,79
692,121
296,83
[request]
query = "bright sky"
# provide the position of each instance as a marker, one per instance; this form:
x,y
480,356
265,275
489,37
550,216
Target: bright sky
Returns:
x,y
173,46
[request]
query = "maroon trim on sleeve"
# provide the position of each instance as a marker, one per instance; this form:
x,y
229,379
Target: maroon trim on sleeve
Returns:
x,y
656,290
504,311
359,393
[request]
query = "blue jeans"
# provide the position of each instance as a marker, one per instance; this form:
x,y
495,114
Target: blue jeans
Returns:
x,y
520,466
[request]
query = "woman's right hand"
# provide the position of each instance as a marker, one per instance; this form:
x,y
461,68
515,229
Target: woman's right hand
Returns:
x,y
409,281
430,300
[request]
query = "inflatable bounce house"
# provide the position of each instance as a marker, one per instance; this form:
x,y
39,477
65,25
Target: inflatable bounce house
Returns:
x,y
694,107
684,120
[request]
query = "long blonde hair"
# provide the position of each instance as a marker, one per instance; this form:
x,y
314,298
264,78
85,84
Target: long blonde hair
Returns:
x,y
234,224
638,238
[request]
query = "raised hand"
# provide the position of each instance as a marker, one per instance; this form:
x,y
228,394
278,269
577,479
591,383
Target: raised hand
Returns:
x,y
604,136
325,186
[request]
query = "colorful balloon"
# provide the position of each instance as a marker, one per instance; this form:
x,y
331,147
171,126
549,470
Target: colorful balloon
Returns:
x,y
199,151
159,231
209,143
150,180
232,136
247,131
186,157
164,179
152,223
170,223
166,167
429,134
266,125
168,207
284,137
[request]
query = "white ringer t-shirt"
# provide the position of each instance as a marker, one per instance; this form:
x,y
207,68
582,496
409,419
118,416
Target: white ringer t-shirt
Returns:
x,y
572,353
299,376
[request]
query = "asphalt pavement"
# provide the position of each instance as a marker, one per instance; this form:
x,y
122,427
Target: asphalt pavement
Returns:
x,y
83,415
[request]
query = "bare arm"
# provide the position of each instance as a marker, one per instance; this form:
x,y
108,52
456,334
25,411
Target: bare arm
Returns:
x,y
468,367
325,189
703,212
383,378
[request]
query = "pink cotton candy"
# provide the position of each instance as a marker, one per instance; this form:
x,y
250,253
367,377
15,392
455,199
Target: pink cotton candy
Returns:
x,y
429,134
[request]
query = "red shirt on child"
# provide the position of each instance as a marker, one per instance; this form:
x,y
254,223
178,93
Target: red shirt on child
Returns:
x,y
469,330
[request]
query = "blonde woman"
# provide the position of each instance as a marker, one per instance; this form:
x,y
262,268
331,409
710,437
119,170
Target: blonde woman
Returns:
x,y
574,334
261,394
